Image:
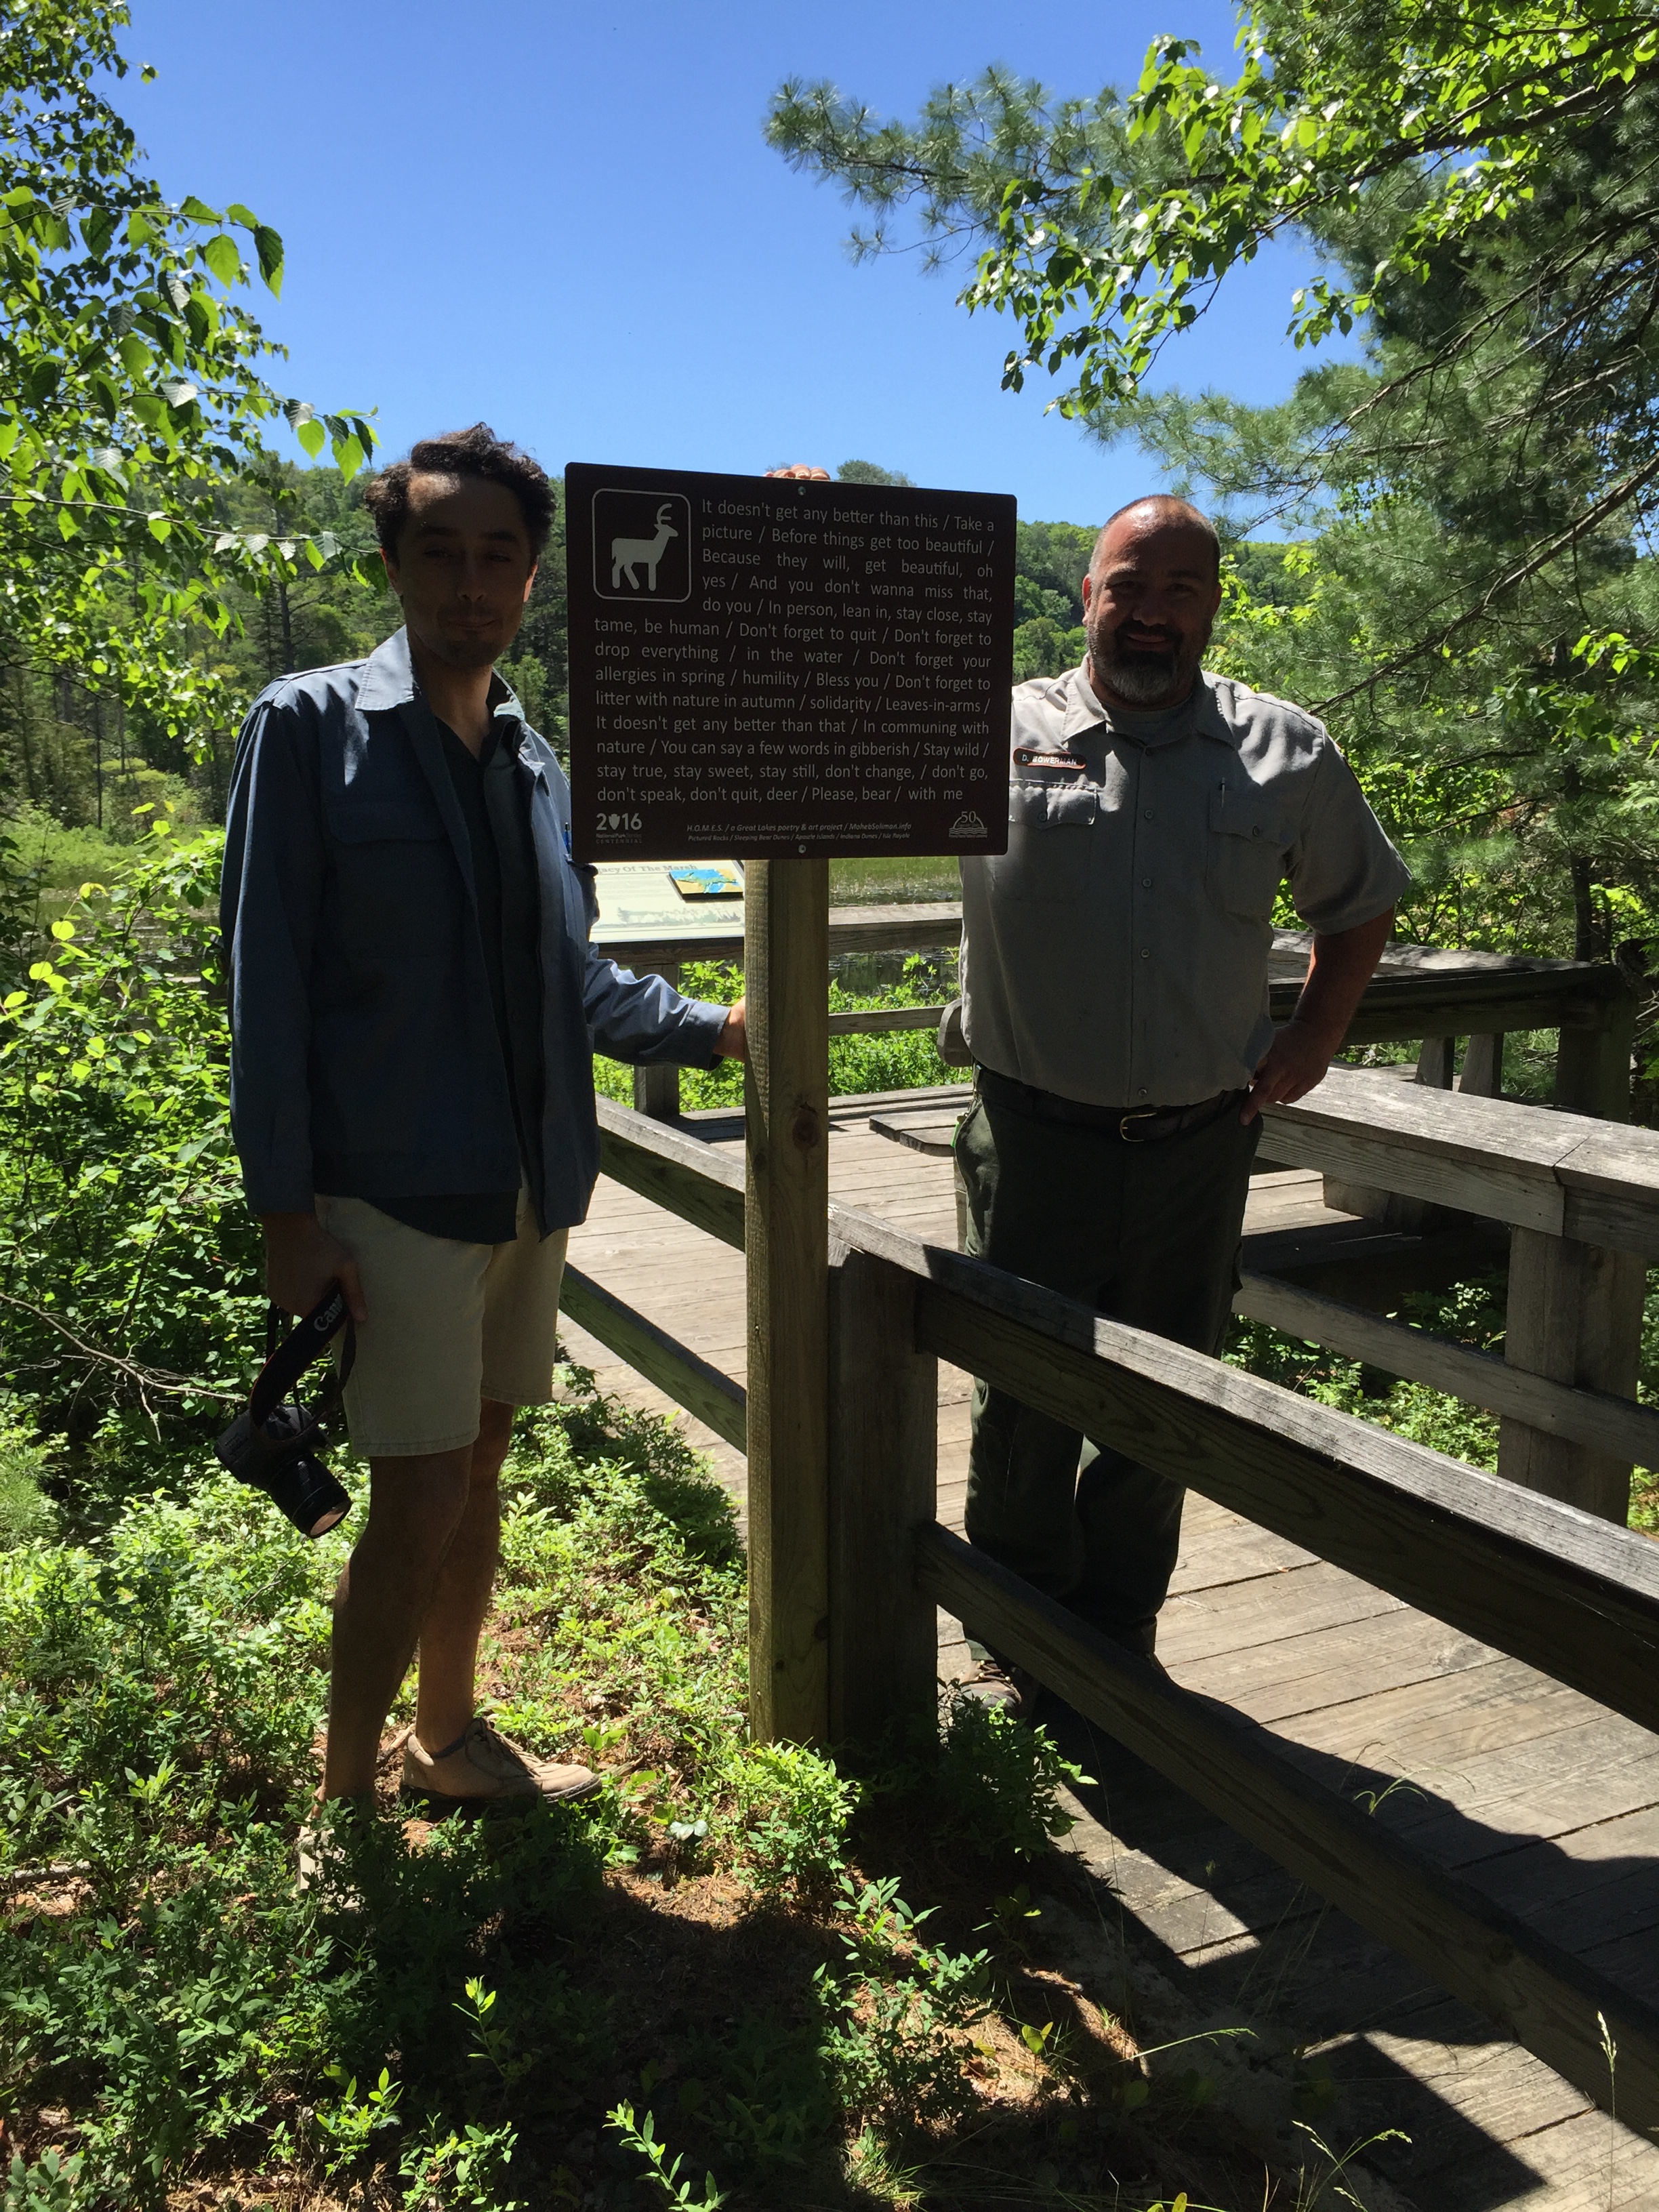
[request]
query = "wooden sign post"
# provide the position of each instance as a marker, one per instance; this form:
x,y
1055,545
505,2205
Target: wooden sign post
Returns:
x,y
787,1201
781,671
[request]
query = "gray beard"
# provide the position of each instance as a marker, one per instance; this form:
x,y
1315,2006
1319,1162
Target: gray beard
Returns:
x,y
1141,679
1146,679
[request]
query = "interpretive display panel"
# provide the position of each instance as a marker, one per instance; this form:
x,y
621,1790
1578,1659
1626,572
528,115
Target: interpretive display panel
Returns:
x,y
766,668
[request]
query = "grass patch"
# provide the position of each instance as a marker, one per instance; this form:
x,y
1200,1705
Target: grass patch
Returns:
x,y
820,1987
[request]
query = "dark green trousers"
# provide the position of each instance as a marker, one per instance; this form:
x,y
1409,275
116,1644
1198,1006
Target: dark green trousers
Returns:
x,y
1145,1233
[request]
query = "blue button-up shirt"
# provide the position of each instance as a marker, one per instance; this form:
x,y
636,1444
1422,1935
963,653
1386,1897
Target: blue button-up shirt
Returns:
x,y
364,1050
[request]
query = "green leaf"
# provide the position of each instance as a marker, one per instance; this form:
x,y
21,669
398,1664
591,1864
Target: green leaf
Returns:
x,y
237,213
195,211
136,356
349,455
311,436
222,258
268,244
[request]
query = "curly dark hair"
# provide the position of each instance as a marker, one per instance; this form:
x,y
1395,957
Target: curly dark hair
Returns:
x,y
475,453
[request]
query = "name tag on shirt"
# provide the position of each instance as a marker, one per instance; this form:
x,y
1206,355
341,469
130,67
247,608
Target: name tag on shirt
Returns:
x,y
1029,757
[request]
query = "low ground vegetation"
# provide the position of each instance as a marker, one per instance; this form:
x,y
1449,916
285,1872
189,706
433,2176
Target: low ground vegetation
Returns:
x,y
740,1963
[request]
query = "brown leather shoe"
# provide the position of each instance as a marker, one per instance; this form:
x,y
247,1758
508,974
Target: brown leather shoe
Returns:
x,y
1010,1689
483,1768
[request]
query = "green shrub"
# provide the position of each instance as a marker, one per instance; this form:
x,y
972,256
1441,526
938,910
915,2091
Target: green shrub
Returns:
x,y
896,2020
129,1269
25,1510
792,1813
998,1782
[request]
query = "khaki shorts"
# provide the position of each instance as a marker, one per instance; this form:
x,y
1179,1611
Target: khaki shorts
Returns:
x,y
448,1324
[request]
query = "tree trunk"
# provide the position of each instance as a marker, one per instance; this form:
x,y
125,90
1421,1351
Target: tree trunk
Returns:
x,y
1584,911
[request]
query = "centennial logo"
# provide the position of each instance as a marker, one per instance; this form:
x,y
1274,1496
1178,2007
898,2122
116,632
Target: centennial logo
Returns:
x,y
967,824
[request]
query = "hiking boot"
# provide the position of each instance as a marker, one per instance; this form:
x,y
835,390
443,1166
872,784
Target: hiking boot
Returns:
x,y
1008,1688
481,1767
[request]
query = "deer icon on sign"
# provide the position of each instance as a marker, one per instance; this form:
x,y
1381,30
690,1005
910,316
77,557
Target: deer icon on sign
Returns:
x,y
630,555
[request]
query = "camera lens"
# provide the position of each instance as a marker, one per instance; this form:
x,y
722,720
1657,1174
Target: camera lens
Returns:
x,y
309,1495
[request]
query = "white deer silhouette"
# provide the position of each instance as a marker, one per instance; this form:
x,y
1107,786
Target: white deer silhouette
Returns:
x,y
627,554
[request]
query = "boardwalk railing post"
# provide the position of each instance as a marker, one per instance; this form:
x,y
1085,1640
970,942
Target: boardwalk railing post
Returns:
x,y
1575,1315
1575,1310
1592,1061
787,1204
657,1090
883,1438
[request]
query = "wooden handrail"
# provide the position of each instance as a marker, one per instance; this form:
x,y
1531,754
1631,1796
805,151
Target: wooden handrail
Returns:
x,y
1567,1175
704,1390
1547,1998
1618,1425
1572,1595
1569,1594
700,1183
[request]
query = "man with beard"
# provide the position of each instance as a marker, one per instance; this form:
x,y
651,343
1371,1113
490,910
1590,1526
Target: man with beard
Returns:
x,y
1115,985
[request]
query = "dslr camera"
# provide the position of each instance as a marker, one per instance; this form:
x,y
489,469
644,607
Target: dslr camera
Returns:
x,y
273,1445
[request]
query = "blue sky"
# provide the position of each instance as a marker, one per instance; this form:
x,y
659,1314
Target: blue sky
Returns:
x,y
563,219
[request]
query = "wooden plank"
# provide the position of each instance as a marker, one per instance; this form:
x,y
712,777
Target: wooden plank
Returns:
x,y
928,1134
786,1214
1574,1316
1566,1592
1479,1155
1405,1021
1312,1670
875,1019
1540,1994
884,1412
691,1382
1582,1415
700,1183
1612,1183
913,928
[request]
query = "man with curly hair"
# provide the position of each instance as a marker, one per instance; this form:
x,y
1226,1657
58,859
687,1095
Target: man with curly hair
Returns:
x,y
414,1007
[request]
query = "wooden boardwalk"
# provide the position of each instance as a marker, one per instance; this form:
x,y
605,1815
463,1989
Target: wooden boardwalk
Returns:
x,y
1528,1789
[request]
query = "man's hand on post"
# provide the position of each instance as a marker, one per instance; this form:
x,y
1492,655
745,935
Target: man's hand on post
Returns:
x,y
733,1041
301,1260
803,471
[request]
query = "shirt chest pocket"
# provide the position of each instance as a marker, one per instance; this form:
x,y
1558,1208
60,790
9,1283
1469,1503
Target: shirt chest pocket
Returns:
x,y
1244,858
1049,843
399,888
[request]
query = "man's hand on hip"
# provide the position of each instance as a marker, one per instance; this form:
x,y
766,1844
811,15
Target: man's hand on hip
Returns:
x,y
1293,1063
301,1260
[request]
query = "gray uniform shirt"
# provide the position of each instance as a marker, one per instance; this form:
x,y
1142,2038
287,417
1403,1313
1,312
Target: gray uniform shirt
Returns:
x,y
1117,954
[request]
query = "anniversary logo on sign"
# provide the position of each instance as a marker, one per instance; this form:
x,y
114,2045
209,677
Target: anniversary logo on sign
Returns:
x,y
769,668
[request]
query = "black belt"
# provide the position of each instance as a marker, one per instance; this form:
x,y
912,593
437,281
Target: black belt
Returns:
x,y
1131,1125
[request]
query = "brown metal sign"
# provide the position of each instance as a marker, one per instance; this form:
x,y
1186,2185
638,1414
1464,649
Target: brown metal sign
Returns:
x,y
765,668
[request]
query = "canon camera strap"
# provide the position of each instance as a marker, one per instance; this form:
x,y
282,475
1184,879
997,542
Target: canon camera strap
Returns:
x,y
308,1341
